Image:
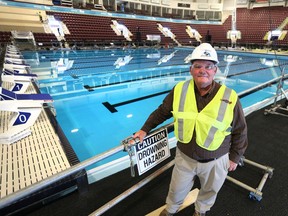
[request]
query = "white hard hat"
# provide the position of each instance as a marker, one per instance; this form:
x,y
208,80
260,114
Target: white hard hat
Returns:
x,y
204,52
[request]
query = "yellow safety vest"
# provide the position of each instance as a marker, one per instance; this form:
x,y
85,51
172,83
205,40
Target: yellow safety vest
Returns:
x,y
211,125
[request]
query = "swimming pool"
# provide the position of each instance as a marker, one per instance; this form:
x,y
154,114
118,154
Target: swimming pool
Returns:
x,y
103,96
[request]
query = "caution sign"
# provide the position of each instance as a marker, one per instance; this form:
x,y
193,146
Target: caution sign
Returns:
x,y
153,150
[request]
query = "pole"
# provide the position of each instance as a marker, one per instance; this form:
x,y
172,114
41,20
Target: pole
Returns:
x,y
131,190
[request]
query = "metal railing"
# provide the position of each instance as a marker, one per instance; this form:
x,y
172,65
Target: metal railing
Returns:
x,y
131,190
12,198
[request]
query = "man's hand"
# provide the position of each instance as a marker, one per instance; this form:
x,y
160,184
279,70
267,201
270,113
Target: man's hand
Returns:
x,y
140,134
232,166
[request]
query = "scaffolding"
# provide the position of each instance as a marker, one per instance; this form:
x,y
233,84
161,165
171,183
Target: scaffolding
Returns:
x,y
278,108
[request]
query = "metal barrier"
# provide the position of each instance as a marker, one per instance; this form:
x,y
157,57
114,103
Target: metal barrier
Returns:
x,y
278,109
131,190
261,86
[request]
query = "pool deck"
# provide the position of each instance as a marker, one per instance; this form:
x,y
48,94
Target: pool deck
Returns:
x,y
32,159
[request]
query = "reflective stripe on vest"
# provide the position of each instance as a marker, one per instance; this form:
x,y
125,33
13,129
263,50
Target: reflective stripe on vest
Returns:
x,y
181,109
220,117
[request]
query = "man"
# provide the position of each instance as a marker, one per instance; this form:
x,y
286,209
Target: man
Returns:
x,y
208,37
211,130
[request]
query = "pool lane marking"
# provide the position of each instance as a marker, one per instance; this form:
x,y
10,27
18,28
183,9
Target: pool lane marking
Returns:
x,y
91,88
112,109
100,66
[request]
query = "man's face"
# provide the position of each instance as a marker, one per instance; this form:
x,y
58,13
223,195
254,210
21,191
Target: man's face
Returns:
x,y
203,72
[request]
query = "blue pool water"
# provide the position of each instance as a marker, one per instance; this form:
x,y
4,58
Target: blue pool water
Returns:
x,y
132,82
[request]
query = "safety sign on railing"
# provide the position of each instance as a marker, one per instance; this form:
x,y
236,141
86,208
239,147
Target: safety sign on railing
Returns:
x,y
153,150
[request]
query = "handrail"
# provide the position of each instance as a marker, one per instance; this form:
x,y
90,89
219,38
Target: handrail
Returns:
x,y
266,84
11,198
131,190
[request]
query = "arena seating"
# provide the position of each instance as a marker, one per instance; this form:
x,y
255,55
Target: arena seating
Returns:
x,y
96,30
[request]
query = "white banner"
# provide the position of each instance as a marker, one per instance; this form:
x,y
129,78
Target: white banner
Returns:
x,y
153,38
153,150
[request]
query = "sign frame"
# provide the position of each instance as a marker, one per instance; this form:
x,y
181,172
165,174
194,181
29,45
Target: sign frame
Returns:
x,y
152,151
